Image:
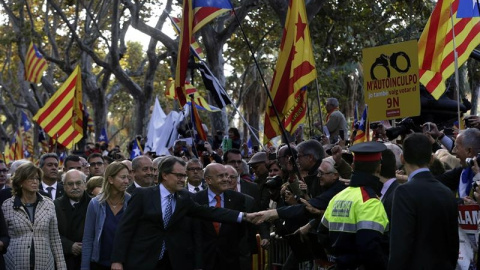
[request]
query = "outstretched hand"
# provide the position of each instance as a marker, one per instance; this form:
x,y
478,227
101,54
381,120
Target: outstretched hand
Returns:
x,y
311,209
260,217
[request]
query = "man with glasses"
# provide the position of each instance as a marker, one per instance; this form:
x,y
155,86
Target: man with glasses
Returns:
x,y
71,210
142,168
49,185
155,232
97,164
195,182
218,250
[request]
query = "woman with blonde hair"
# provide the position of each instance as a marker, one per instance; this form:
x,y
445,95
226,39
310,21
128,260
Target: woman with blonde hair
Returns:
x,y
32,224
103,216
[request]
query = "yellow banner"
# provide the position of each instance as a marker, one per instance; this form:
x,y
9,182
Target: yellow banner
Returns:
x,y
391,82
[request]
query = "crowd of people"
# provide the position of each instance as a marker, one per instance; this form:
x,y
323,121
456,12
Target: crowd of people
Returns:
x,y
374,205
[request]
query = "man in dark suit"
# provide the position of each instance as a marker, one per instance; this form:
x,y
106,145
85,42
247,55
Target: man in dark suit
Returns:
x,y
195,181
217,238
424,229
390,184
71,210
49,186
142,168
153,233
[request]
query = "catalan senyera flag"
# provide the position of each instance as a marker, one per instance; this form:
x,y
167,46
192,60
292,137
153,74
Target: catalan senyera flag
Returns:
x,y
197,122
199,100
35,64
62,115
27,136
193,42
362,131
196,13
207,10
435,46
295,69
183,51
16,146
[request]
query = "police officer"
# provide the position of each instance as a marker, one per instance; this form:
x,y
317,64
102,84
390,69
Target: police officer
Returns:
x,y
355,218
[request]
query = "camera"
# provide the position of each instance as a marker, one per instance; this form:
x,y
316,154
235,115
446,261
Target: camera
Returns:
x,y
470,161
375,125
275,182
402,128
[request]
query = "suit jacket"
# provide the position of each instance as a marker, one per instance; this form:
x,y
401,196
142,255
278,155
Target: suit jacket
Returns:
x,y
58,191
71,222
221,251
131,188
387,199
141,232
424,225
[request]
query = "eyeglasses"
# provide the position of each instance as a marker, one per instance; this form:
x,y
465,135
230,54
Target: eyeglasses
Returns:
x,y
33,179
72,184
320,173
94,164
4,171
179,176
194,169
234,162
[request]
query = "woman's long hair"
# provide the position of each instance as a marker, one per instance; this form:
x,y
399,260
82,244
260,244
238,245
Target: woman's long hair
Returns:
x,y
111,171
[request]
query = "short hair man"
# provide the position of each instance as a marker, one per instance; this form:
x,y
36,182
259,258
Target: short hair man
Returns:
x,y
49,185
154,231
195,176
72,162
335,120
217,249
467,145
309,158
422,210
142,168
97,164
71,210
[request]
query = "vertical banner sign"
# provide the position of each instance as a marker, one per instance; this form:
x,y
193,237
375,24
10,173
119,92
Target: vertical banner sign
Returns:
x,y
391,81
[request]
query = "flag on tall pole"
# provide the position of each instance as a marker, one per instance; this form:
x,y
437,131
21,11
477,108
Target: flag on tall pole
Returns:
x,y
196,13
435,46
35,64
362,131
62,115
27,136
177,24
295,69
197,122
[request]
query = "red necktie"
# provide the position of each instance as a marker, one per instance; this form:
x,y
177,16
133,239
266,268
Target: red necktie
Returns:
x,y
216,225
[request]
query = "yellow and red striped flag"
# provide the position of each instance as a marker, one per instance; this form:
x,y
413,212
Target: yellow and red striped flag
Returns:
x,y
363,128
35,64
435,46
170,89
183,52
193,42
295,69
62,115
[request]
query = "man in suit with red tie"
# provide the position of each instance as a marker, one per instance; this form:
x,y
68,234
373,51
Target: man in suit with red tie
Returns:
x,y
220,248
155,231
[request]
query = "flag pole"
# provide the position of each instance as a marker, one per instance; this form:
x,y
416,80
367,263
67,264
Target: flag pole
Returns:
x,y
215,78
319,105
455,54
282,128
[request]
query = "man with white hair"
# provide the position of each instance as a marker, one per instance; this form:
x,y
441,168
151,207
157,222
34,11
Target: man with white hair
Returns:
x,y
71,210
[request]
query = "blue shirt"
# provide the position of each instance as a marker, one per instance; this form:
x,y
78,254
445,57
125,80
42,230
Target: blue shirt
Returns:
x,y
212,201
163,199
108,234
416,172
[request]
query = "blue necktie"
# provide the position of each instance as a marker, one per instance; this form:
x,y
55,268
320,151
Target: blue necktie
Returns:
x,y
166,219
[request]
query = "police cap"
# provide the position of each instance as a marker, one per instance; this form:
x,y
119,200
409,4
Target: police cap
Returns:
x,y
368,151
